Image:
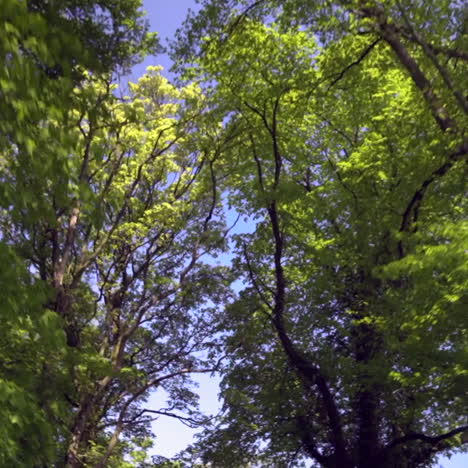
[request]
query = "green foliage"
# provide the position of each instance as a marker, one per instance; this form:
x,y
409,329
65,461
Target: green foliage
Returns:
x,y
25,405
348,152
47,48
337,129
119,240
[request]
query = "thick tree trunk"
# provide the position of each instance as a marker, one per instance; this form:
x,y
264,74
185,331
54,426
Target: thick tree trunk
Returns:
x,y
366,342
367,399
79,430
368,441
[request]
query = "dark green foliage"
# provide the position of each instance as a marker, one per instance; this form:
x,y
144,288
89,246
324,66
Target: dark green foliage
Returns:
x,y
349,345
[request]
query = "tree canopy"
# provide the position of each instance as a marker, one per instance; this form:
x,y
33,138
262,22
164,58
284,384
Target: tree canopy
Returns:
x,y
351,125
337,130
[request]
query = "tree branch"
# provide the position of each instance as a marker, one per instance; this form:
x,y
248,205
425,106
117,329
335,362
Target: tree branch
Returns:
x,y
389,33
432,56
431,440
363,55
410,214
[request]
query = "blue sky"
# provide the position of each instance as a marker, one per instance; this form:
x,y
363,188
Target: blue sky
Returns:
x,y
165,16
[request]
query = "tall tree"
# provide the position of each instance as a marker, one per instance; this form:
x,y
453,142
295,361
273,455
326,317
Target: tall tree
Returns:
x,y
69,371
120,250
348,347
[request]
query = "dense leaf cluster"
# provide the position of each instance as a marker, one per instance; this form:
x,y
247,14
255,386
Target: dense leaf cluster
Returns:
x,y
350,122
337,129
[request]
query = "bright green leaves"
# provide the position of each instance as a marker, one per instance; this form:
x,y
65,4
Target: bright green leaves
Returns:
x,y
261,74
439,260
347,155
260,64
252,46
336,127
29,334
22,416
49,51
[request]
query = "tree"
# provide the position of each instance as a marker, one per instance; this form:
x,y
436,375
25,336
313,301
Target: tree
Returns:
x,y
107,207
120,249
48,46
46,49
348,346
338,128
